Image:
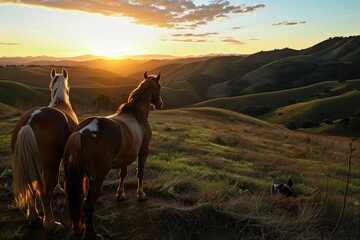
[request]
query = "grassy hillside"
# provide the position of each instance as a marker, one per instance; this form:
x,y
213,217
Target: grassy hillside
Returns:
x,y
340,49
216,67
333,59
321,112
276,99
326,100
208,175
18,94
78,76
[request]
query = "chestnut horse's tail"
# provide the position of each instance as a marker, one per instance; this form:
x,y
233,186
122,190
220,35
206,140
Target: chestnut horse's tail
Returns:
x,y
74,180
27,167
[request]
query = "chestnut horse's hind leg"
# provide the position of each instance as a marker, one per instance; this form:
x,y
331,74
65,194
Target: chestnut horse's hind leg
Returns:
x,y
32,214
95,186
120,195
140,173
51,178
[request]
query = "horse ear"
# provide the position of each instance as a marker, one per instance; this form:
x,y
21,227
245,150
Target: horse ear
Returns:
x,y
65,73
53,73
158,76
145,75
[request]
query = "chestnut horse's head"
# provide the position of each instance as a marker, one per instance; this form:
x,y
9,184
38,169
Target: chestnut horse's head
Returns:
x,y
156,98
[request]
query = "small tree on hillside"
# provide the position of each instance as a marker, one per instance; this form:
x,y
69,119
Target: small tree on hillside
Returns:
x,y
105,103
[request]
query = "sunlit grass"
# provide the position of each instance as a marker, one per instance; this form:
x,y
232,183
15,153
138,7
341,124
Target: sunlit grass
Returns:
x,y
210,172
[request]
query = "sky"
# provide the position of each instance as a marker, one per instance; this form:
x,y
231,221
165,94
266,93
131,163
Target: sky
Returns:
x,y
113,28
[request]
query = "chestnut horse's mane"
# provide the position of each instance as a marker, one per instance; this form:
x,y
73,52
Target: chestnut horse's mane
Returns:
x,y
135,95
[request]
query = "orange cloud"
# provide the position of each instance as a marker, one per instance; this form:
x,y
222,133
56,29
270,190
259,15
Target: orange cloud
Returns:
x,y
177,14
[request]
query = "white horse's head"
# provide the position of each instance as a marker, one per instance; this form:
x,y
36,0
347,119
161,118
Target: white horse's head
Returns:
x,y
59,87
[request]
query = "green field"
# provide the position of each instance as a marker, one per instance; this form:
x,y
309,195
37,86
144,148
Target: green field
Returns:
x,y
208,176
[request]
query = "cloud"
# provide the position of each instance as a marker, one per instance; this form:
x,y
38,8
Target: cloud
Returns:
x,y
236,28
233,41
198,38
288,23
176,14
9,43
189,37
194,35
190,40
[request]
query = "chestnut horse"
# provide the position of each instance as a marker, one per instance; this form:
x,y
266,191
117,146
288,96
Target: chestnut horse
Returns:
x,y
99,144
37,143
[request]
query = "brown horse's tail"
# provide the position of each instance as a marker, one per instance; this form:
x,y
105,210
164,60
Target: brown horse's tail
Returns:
x,y
27,167
74,180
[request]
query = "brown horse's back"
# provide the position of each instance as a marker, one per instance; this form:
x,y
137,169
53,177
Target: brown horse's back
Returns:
x,y
100,139
50,127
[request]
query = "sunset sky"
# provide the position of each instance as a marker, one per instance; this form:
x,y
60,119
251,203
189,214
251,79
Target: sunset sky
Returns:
x,y
112,28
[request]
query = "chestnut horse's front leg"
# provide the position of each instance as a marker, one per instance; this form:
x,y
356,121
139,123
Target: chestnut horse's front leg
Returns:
x,y
140,172
120,195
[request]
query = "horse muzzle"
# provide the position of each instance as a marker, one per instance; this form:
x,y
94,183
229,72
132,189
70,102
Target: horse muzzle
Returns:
x,y
158,105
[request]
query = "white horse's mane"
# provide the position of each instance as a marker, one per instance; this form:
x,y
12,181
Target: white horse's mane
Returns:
x,y
59,88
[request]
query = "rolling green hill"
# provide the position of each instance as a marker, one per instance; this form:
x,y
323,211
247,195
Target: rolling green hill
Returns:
x,y
273,100
321,111
332,59
326,100
17,94
39,76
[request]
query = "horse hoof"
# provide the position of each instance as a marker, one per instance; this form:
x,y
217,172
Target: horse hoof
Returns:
x,y
58,227
37,222
99,237
120,197
141,196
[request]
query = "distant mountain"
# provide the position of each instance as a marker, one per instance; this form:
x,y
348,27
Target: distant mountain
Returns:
x,y
44,60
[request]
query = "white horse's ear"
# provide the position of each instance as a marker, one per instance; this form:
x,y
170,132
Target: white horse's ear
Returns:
x,y
65,73
53,73
158,76
145,75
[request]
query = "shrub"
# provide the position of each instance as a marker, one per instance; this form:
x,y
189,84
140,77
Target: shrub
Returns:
x,y
327,121
254,110
291,125
345,121
104,102
307,124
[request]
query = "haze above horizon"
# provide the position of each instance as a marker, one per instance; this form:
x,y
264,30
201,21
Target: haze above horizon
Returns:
x,y
174,27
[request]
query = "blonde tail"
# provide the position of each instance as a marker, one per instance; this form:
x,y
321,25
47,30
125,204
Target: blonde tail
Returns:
x,y
27,168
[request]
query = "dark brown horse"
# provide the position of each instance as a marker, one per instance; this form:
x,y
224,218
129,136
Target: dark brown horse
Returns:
x,y
38,142
99,144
